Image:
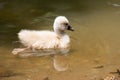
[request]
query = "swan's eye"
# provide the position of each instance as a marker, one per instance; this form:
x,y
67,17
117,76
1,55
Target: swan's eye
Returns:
x,y
66,24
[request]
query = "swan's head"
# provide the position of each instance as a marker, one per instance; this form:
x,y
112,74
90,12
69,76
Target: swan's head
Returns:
x,y
61,24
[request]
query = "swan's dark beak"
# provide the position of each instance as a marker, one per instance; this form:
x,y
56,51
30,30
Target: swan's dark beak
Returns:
x,y
70,28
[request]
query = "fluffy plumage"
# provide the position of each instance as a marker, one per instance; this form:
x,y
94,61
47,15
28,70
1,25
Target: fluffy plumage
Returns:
x,y
47,39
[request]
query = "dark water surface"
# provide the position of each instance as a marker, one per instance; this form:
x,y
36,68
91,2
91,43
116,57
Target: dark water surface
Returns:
x,y
95,43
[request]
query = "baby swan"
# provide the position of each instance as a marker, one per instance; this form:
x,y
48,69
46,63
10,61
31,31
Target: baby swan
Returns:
x,y
40,40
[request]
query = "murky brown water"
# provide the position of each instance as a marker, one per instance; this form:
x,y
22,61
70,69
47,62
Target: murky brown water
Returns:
x,y
95,43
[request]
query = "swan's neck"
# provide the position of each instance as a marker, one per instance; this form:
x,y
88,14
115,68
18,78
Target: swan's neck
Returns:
x,y
59,32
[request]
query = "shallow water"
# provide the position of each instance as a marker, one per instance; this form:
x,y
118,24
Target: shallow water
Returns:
x,y
95,43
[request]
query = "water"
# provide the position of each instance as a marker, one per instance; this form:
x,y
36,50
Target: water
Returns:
x,y
95,43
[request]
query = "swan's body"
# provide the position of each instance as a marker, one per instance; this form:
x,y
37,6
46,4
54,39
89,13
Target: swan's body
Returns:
x,y
47,39
43,39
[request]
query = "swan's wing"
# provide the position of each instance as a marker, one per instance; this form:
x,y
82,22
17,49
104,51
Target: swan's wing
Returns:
x,y
29,37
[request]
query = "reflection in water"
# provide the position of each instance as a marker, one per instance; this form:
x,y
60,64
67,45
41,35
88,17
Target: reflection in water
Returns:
x,y
95,41
30,52
46,52
60,62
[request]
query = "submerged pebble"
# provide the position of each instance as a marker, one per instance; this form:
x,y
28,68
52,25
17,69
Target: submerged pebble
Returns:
x,y
99,67
116,5
110,77
46,78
